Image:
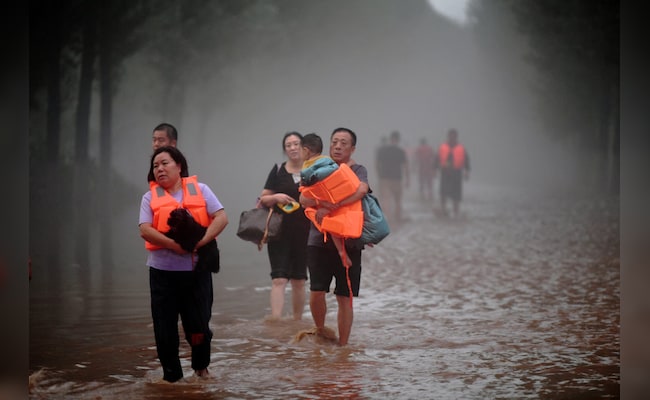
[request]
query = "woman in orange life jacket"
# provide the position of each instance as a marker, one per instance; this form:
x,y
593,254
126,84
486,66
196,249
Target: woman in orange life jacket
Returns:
x,y
323,258
287,254
176,288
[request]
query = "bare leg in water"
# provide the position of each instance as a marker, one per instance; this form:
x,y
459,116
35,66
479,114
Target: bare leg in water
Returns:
x,y
278,286
344,318
345,314
298,298
318,307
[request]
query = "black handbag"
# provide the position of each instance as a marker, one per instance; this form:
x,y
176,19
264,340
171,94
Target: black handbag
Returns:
x,y
260,225
209,257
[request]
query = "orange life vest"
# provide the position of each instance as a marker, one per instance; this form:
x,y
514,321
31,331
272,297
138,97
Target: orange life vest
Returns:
x,y
338,185
162,204
346,221
458,154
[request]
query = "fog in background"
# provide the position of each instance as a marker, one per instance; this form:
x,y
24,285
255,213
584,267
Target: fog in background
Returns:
x,y
233,88
417,73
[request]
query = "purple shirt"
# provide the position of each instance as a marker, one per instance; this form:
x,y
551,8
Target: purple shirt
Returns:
x,y
167,259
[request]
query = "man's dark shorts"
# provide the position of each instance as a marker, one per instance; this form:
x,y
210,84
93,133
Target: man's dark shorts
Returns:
x,y
324,264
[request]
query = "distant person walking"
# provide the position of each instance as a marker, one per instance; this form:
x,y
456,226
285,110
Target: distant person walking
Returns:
x,y
379,150
424,156
164,135
393,171
453,162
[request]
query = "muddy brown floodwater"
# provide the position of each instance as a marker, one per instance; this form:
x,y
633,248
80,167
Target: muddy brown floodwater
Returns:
x,y
518,298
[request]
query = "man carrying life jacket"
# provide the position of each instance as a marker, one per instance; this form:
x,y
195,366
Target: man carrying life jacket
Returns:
x,y
323,258
453,162
324,181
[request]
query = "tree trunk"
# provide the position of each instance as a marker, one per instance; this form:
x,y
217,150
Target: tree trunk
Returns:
x,y
613,170
105,150
50,177
607,135
82,165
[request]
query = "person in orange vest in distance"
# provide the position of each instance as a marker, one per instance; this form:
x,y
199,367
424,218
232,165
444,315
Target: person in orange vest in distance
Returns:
x,y
323,258
453,162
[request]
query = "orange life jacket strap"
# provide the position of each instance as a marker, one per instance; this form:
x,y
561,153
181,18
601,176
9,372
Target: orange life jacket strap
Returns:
x,y
347,266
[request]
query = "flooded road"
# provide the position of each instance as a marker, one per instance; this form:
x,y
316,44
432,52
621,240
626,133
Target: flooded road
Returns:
x,y
518,298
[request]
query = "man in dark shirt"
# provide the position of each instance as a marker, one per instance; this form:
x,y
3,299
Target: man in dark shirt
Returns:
x,y
393,171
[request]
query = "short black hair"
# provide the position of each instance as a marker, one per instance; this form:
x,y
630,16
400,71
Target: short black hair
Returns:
x,y
352,134
313,142
171,131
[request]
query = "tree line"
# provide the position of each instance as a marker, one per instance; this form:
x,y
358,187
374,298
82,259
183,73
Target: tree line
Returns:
x,y
573,46
79,49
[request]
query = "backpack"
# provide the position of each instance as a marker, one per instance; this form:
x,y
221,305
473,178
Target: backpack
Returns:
x,y
375,226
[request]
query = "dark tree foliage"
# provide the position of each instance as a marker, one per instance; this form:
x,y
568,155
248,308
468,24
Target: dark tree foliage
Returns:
x,y
53,31
78,49
186,34
72,44
574,47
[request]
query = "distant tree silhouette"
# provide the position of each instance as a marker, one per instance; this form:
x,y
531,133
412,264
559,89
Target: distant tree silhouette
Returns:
x,y
574,46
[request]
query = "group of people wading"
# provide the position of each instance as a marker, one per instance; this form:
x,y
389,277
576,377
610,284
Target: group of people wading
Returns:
x,y
329,191
450,162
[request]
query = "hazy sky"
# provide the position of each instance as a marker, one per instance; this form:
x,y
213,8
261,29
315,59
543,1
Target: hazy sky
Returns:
x,y
453,9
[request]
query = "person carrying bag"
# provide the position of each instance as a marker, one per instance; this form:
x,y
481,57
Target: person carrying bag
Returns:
x,y
286,231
